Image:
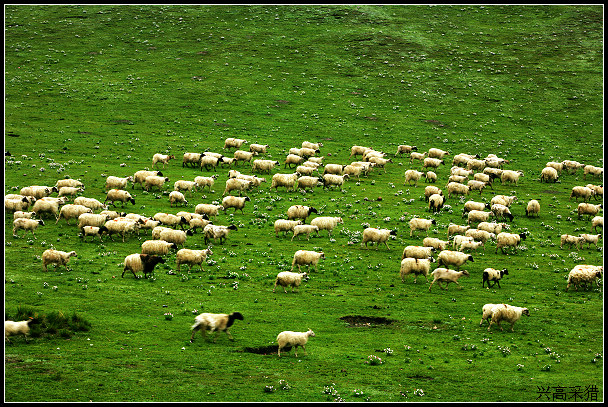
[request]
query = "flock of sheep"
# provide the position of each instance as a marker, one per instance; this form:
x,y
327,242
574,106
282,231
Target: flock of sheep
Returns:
x,y
170,232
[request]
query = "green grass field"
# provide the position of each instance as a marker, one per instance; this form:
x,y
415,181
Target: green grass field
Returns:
x,y
93,91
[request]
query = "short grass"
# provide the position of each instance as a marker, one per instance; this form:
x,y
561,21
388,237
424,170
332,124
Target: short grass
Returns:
x,y
92,91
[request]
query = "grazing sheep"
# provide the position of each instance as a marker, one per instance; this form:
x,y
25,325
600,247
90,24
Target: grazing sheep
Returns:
x,y
549,174
570,240
461,172
203,182
293,339
377,236
504,239
176,197
214,322
486,313
458,239
17,204
492,227
366,167
208,209
593,170
157,247
447,276
191,258
69,191
405,149
456,229
192,159
532,208
217,232
474,206
431,162
304,229
463,158
510,176
417,266
476,165
93,231
307,182
161,158
210,162
501,212
258,148
122,227
479,216
421,224
491,274
470,245
235,202
141,262
571,166
56,257
118,195
12,328
140,176
155,181
506,312
285,225
456,188
263,165
418,252
232,142
326,223
457,178
597,221
236,184
26,224
300,212
357,150
307,258
284,180
581,192
453,258
431,190
331,180
588,209
475,185
113,182
559,167
412,175
72,211
289,279
584,274
183,185
589,239
435,243
435,203
480,235
175,236
487,178
170,220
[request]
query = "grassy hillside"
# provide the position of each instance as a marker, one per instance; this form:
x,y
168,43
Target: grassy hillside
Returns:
x,y
93,91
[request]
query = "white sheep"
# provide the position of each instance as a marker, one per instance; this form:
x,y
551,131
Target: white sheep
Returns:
x,y
474,206
492,227
12,328
208,209
314,146
258,148
431,190
175,236
506,312
533,207
504,239
405,149
597,221
307,182
326,223
478,216
42,207
458,239
156,231
453,258
203,182
571,240
214,322
421,224
598,191
476,165
456,188
456,229
438,153
470,245
335,169
549,174
584,274
412,175
294,339
300,212
184,185
591,239
263,165
288,279
112,214
436,203
232,142
306,170
332,180
416,266
21,214
417,252
447,276
93,231
461,172
571,166
155,181
17,204
293,159
176,197
157,247
236,184
26,224
457,178
285,225
91,219
218,232
510,176
380,162
140,176
92,203
170,219
486,313
284,180
69,191
198,223
307,258
588,209
435,243
475,185
234,202
191,257
192,159
463,158
255,181
113,182
417,156
491,274
431,162
593,170
122,227
137,262
119,195
357,150
304,229
366,167
501,212
559,167
56,257
375,235
69,182
38,191
161,158
480,235
210,161
581,192
72,211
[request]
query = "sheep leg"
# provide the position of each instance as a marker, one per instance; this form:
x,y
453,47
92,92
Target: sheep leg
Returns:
x,y
279,351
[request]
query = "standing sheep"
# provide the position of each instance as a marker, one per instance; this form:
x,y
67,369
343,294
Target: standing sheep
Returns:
x,y
92,203
214,322
26,224
510,176
56,257
140,176
330,180
584,274
491,274
234,202
504,239
456,229
412,175
191,258
411,265
232,142
421,224
300,212
289,279
175,236
285,225
304,229
307,258
203,182
12,328
72,211
161,158
506,312
435,203
157,247
293,339
284,180
405,149
549,174
456,188
447,276
532,208
113,182
377,236
120,195
326,223
588,209
479,216
597,221
176,197
141,262
453,258
217,232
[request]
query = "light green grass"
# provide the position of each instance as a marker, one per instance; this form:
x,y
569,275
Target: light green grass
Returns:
x,y
522,82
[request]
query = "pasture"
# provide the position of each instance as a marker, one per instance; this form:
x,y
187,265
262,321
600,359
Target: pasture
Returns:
x,y
94,91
